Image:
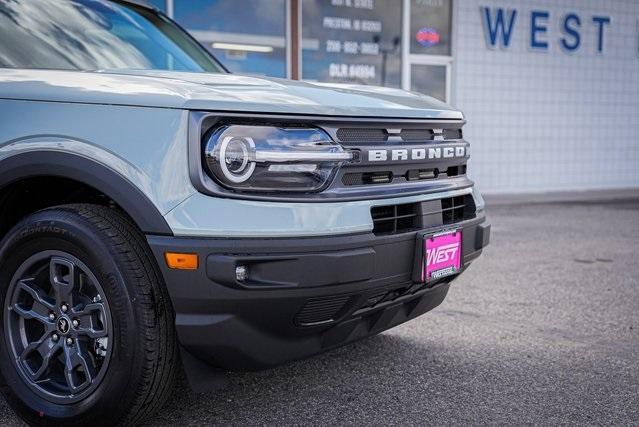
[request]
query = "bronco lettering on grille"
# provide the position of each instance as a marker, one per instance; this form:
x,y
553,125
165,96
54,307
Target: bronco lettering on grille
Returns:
x,y
402,154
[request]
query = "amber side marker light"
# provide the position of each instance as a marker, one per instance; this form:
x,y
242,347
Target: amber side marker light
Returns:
x,y
178,261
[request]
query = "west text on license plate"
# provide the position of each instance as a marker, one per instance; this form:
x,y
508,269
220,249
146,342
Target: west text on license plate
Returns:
x,y
442,255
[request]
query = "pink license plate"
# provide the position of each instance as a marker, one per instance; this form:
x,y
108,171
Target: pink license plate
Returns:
x,y
442,255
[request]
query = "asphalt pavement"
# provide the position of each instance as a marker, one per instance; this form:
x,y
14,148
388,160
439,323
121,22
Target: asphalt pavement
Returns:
x,y
542,329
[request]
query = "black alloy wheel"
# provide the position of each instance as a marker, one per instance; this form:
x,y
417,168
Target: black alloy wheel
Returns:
x,y
58,326
87,334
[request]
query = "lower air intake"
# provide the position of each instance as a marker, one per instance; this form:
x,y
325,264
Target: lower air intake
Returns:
x,y
395,219
318,311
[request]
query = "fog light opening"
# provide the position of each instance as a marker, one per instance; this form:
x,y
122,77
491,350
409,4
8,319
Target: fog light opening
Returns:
x,y
241,273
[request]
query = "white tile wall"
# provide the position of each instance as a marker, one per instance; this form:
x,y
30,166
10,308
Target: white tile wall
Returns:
x,y
550,121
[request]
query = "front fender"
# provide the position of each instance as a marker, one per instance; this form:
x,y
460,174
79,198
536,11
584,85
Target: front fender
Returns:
x,y
135,155
92,173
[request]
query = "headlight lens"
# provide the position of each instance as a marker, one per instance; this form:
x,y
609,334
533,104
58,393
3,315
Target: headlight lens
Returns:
x,y
276,159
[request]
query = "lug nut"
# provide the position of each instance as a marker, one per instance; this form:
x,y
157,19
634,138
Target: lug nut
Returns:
x,y
75,323
51,316
64,308
69,341
55,337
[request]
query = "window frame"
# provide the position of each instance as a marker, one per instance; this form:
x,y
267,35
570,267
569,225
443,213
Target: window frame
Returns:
x,y
409,59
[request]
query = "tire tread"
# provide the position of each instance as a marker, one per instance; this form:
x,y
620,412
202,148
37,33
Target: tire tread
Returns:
x,y
153,307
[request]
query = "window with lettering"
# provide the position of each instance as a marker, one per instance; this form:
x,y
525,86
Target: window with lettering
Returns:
x,y
430,27
352,41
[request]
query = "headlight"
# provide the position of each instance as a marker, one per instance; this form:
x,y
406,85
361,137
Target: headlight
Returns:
x,y
266,158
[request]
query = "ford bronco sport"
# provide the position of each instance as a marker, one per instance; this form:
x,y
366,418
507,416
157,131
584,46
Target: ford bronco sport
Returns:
x,y
158,212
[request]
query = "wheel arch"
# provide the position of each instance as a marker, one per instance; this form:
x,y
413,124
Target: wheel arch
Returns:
x,y
91,173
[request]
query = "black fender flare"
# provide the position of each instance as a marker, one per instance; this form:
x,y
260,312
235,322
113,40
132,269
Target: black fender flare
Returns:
x,y
89,172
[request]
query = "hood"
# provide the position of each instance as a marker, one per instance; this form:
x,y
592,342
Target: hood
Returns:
x,y
219,92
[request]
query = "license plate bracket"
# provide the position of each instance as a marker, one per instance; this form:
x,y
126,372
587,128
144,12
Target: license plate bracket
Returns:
x,y
437,255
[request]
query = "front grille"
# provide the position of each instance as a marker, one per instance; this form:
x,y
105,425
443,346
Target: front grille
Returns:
x,y
419,174
367,178
362,134
317,311
395,219
411,175
456,170
452,133
349,136
416,135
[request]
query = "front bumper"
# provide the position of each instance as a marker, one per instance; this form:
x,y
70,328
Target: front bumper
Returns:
x,y
302,296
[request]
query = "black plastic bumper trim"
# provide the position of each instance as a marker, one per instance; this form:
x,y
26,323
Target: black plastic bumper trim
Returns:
x,y
303,296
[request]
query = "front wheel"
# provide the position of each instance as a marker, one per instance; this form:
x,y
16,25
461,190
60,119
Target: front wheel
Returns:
x,y
87,327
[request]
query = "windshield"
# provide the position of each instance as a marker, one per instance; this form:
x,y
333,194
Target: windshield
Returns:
x,y
95,35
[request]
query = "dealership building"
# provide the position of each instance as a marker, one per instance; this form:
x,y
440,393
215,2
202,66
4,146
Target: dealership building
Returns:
x,y
550,89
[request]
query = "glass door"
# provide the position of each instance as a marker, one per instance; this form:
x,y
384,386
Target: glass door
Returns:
x,y
427,44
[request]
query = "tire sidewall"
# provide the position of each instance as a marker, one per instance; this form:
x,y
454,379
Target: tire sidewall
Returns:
x,y
64,230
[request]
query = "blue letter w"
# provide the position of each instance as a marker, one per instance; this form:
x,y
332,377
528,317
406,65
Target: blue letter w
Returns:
x,y
493,28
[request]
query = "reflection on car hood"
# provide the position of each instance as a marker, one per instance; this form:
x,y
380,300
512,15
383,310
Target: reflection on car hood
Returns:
x,y
219,92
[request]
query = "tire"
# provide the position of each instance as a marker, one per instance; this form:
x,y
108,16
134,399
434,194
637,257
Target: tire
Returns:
x,y
109,355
